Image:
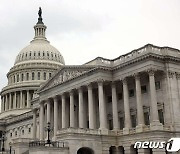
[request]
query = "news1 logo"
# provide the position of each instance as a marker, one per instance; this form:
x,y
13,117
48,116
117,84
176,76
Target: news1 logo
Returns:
x,y
173,145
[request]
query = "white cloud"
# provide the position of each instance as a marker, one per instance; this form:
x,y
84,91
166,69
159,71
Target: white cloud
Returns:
x,y
83,30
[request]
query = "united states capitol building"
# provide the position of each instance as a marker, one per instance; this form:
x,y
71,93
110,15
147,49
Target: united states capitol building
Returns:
x,y
101,107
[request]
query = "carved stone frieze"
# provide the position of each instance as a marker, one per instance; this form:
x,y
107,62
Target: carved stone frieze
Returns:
x,y
64,76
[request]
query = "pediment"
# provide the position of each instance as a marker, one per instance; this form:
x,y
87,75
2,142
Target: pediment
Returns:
x,y
65,74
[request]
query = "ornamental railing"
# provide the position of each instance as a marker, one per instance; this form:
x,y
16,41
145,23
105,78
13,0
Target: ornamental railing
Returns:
x,y
53,144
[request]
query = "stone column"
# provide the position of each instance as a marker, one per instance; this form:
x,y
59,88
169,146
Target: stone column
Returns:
x,y
114,107
10,101
28,100
41,121
91,107
15,101
34,123
48,111
155,124
102,107
21,99
140,112
2,103
6,102
81,109
55,116
63,111
126,107
72,122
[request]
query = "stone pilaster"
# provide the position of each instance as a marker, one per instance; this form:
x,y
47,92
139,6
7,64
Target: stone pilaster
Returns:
x,y
10,101
114,107
28,99
21,99
15,101
7,103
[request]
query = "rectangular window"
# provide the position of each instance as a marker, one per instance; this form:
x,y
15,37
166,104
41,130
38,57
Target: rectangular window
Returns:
x,y
49,75
109,99
146,118
158,85
131,92
143,89
110,124
161,116
133,120
120,96
121,121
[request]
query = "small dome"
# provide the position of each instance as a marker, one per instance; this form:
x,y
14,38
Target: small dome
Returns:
x,y
39,50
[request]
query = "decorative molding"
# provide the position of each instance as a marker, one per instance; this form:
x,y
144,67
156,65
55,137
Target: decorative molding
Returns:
x,y
64,76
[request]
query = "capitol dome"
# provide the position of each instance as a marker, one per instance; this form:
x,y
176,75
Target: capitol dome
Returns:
x,y
34,65
39,49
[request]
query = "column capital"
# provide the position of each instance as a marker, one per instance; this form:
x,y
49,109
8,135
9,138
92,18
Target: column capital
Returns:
x,y
89,85
100,80
80,89
55,98
177,75
171,74
136,76
113,83
71,92
124,80
151,71
63,96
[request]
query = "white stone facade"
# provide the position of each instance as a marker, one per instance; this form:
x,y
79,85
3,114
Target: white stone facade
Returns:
x,y
101,107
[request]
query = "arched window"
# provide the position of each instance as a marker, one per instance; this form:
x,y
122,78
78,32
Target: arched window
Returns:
x,y
39,75
44,75
22,77
18,78
27,76
32,75
39,54
50,75
14,79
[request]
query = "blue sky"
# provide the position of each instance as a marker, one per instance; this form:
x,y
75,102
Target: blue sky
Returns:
x,y
84,29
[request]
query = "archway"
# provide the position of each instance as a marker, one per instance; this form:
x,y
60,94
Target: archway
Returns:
x,y
85,150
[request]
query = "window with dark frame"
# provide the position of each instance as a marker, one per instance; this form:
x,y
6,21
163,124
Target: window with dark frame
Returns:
x,y
143,89
120,96
131,92
158,85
